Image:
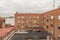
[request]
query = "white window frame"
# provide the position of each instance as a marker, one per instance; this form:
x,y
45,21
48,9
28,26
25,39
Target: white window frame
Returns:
x,y
58,25
22,21
29,17
58,35
22,30
52,17
51,31
37,17
34,17
22,26
22,16
18,21
27,21
34,21
59,17
18,17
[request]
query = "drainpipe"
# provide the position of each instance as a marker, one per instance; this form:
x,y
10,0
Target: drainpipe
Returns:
x,y
48,37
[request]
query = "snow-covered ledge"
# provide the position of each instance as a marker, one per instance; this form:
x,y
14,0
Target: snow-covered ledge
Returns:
x,y
8,37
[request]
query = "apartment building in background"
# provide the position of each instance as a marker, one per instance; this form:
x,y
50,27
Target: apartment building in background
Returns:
x,y
2,22
6,31
50,21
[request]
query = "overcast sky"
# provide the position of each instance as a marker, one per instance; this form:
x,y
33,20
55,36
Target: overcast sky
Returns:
x,y
11,6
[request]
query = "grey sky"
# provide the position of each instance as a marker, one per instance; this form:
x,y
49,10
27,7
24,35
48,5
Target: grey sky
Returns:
x,y
11,6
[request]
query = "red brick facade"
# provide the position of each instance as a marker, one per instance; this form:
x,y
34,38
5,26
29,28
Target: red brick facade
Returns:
x,y
27,21
50,21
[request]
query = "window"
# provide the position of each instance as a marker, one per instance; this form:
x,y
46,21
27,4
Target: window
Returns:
x,y
34,25
34,17
22,26
46,26
58,16
52,17
22,21
37,26
29,25
30,39
3,20
22,30
29,17
22,16
18,26
47,20
37,17
27,22
44,17
42,38
52,25
35,21
51,31
18,21
58,35
58,26
18,17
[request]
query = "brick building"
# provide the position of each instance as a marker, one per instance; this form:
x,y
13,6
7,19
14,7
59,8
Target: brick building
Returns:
x,y
2,22
25,22
50,21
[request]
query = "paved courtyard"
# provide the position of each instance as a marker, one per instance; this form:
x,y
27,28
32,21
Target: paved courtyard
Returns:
x,y
30,36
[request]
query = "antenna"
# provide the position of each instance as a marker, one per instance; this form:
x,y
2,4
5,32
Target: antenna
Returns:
x,y
59,4
54,4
